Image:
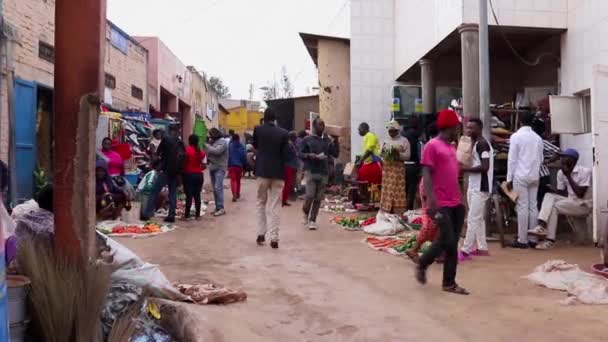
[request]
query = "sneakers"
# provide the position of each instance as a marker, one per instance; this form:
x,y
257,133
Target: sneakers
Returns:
x,y
312,225
545,245
274,244
260,240
538,231
286,204
305,220
219,212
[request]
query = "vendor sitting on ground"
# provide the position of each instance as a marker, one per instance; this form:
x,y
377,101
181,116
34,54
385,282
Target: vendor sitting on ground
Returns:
x,y
110,200
574,182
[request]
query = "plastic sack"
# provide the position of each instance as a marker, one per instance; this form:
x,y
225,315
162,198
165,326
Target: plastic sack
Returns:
x,y
386,224
130,268
582,287
24,209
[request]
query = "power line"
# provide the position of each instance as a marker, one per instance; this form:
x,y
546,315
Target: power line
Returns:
x,y
520,57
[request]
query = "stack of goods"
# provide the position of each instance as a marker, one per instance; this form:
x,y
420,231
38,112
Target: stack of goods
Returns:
x,y
338,205
413,219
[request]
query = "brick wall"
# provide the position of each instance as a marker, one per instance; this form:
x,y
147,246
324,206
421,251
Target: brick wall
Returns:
x,y
33,21
129,70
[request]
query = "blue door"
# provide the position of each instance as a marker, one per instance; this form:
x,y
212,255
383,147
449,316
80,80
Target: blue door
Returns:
x,y
25,138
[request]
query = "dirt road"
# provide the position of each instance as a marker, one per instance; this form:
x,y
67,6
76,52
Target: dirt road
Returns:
x,y
329,286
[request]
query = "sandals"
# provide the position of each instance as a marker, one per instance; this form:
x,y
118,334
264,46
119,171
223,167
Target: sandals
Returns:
x,y
456,290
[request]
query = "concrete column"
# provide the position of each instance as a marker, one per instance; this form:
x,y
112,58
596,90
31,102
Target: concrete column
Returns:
x,y
80,30
469,39
427,78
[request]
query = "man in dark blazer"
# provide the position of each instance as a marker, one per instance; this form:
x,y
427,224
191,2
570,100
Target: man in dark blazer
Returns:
x,y
271,144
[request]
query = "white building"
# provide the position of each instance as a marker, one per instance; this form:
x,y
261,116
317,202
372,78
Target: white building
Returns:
x,y
434,44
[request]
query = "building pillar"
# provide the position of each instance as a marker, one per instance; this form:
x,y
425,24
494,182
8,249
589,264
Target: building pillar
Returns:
x,y
427,78
469,39
80,30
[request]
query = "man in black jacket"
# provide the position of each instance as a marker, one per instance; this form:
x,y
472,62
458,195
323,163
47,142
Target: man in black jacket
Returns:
x,y
412,169
315,151
271,143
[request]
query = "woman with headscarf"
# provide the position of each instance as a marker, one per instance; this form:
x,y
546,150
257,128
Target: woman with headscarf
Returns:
x,y
395,151
110,199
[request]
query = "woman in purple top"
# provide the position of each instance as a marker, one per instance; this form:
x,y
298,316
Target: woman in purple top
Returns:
x,y
440,173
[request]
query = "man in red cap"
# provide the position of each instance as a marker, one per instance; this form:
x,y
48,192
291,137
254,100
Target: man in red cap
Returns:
x,y
440,175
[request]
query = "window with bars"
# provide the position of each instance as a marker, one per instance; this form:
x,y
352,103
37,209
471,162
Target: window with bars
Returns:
x,y
137,93
110,81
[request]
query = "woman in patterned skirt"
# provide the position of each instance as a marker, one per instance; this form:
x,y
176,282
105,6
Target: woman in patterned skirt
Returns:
x,y
395,151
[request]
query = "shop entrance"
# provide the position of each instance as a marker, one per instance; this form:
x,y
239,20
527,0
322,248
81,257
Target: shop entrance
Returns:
x,y
33,135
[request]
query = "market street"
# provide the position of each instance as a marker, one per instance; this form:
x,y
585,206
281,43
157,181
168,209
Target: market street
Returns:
x,y
329,286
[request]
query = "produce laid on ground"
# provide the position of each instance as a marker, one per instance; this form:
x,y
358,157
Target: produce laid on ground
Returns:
x,y
119,228
396,245
353,223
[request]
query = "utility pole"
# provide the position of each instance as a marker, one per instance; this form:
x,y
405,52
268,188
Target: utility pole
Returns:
x,y
80,30
484,70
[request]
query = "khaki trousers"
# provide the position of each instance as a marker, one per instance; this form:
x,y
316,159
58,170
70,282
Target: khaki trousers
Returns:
x,y
268,206
555,205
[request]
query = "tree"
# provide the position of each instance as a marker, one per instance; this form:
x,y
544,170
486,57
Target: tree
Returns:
x,y
217,84
279,90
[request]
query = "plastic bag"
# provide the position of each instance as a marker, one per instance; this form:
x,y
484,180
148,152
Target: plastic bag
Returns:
x,y
464,153
386,224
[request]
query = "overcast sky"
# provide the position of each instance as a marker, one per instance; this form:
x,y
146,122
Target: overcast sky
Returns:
x,y
241,41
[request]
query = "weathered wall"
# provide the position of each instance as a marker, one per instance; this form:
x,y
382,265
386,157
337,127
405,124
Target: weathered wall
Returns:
x,y
129,70
334,87
32,21
302,108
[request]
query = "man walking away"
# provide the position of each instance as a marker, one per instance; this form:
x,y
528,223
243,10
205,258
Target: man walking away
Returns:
x,y
480,188
271,143
316,150
440,176
172,154
573,181
523,173
291,169
217,160
412,169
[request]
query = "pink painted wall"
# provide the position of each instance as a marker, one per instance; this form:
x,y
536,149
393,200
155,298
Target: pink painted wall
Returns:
x,y
164,67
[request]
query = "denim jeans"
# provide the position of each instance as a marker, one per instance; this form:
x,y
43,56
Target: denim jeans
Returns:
x,y
315,189
217,181
160,182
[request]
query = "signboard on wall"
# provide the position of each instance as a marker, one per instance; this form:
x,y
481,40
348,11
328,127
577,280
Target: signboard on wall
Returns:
x,y
119,40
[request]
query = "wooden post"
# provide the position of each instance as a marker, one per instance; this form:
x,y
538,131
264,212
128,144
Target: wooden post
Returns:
x,y
79,74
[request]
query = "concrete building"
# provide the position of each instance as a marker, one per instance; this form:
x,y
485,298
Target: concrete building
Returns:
x,y
331,55
242,116
205,102
433,46
169,83
29,26
126,68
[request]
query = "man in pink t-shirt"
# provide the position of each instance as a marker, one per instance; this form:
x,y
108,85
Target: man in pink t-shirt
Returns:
x,y
440,173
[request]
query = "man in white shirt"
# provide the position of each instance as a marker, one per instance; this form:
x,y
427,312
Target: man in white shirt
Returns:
x,y
523,173
574,181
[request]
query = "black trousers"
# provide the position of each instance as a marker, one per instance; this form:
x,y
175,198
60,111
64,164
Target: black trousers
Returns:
x,y
542,189
412,179
193,185
449,220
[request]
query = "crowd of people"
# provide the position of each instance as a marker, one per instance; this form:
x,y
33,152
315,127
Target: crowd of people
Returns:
x,y
402,165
